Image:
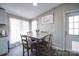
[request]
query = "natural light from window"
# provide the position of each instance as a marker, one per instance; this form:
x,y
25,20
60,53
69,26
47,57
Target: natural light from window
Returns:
x,y
74,25
17,27
34,27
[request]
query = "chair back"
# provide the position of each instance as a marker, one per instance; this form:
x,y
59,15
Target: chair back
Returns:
x,y
29,33
48,39
24,41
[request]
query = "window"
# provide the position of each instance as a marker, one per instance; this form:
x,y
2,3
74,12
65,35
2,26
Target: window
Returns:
x,y
74,25
24,27
17,27
34,27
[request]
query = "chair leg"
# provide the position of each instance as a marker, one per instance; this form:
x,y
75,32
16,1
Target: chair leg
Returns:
x,y
31,50
27,52
23,51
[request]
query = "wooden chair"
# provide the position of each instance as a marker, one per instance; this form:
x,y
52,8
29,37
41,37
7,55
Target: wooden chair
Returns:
x,y
44,46
29,33
25,44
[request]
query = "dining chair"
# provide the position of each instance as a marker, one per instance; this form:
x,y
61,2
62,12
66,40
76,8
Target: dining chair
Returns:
x,y
45,45
48,39
29,33
25,44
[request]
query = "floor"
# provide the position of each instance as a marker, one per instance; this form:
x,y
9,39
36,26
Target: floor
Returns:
x,y
17,51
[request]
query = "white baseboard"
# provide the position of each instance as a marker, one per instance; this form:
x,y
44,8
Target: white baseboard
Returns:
x,y
15,44
64,49
57,48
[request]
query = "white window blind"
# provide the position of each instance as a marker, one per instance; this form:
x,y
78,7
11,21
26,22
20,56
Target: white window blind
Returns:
x,y
34,27
17,27
24,27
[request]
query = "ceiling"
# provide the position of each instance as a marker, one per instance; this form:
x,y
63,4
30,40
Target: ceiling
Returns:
x,y
27,10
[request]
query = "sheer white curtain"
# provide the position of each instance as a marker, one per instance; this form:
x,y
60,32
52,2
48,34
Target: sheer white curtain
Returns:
x,y
24,27
14,30
17,27
34,27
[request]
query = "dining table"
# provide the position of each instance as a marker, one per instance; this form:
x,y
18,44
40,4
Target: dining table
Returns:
x,y
36,41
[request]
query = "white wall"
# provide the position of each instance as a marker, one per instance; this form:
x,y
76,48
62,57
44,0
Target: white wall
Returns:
x,y
57,29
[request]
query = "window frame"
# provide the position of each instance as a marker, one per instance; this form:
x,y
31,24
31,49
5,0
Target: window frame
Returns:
x,y
73,25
